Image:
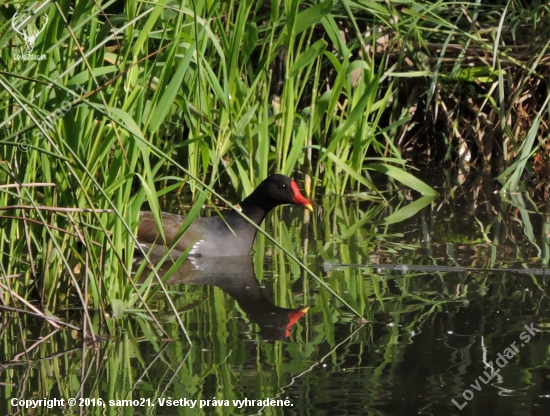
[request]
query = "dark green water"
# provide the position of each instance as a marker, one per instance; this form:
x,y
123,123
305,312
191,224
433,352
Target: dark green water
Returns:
x,y
455,313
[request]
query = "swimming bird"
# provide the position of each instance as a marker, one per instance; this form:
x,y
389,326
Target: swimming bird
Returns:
x,y
228,234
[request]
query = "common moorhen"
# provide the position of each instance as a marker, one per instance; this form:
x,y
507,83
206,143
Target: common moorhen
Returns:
x,y
226,235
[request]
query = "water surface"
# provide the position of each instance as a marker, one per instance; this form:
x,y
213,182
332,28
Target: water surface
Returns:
x,y
444,313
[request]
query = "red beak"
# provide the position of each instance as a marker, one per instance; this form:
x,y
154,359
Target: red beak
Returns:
x,y
299,198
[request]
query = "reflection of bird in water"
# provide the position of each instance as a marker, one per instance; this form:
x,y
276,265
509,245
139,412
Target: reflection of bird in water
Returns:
x,y
235,276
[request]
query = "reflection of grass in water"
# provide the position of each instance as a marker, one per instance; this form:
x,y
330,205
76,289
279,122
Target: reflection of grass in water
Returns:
x,y
135,116
433,246
229,360
215,104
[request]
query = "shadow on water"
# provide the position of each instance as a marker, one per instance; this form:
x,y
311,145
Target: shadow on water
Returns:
x,y
455,320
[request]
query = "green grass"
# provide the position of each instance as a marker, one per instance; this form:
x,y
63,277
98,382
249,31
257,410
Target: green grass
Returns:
x,y
130,107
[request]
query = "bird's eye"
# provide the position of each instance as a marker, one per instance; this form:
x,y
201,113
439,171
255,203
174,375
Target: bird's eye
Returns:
x,y
282,186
